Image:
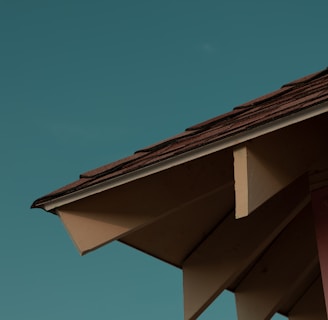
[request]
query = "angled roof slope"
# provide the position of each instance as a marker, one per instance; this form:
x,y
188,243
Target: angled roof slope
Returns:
x,y
178,200
291,99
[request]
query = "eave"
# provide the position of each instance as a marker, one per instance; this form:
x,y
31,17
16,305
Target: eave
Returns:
x,y
180,201
221,144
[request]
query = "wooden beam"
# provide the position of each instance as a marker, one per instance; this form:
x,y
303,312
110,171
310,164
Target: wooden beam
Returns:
x,y
234,245
115,213
289,263
264,166
312,304
255,181
174,236
320,211
90,230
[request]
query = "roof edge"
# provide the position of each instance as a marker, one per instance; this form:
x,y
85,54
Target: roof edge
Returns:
x,y
225,143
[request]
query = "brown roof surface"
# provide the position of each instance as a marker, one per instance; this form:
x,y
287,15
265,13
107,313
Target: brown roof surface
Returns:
x,y
291,98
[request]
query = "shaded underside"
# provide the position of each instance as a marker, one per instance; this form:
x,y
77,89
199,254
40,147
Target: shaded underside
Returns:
x,y
186,214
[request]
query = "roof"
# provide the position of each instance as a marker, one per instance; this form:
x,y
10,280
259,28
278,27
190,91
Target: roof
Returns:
x,y
180,201
291,99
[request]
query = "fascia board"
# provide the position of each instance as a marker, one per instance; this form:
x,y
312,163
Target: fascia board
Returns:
x,y
188,156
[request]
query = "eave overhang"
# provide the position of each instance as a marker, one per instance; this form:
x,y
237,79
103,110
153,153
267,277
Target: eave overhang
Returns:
x,y
233,140
178,201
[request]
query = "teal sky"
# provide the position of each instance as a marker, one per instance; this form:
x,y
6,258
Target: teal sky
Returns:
x,y
84,83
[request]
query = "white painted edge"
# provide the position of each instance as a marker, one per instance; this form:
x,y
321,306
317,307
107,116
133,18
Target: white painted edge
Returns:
x,y
188,156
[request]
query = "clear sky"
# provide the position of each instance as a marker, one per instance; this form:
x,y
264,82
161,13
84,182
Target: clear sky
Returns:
x,y
84,83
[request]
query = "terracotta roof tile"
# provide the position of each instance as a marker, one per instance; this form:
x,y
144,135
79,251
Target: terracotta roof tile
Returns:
x,y
293,97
